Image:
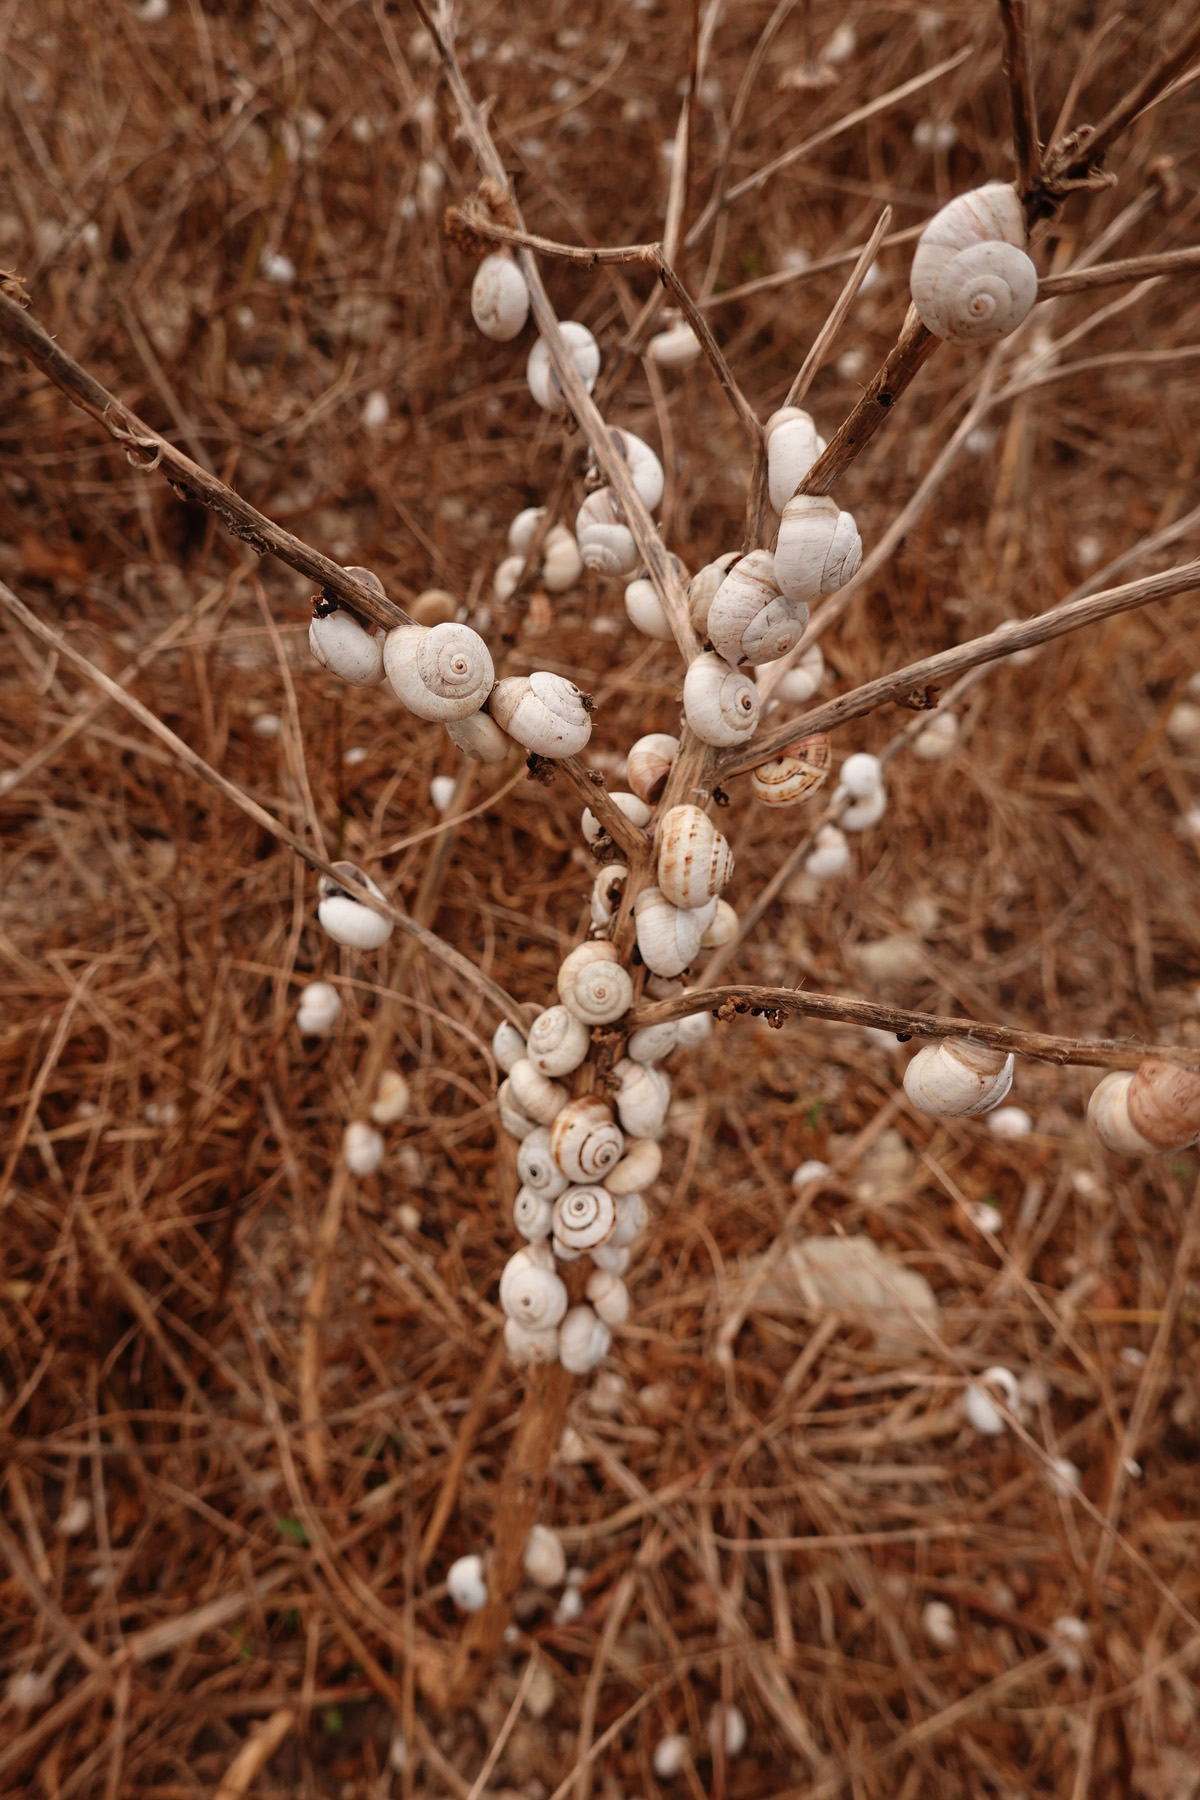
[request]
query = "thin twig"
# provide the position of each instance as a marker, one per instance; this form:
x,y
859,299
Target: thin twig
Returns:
x,y
911,351
1018,66
1132,268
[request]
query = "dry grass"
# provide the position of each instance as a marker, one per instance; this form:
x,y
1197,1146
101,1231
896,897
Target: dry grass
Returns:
x,y
168,1142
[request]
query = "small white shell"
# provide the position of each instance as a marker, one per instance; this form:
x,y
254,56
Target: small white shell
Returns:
x,y
721,704
861,774
466,1585
508,1046
362,1147
558,1042
391,1098
609,1296
536,1165
793,446
531,1294
600,993
586,1140
479,737
981,1410
972,281
343,917
648,764
860,815
703,586
800,682
818,548
579,958
615,1260
642,1098
518,1124
631,1217
830,854
521,531
506,578
695,1028
937,740
670,1754
441,792
539,373
958,1078
545,1560
675,347
584,1217
533,1214
668,937
583,1341
749,619
545,712
635,810
636,1170
541,1099
439,672
646,612
653,1042
562,564
344,647
606,893
604,539
723,930
694,858
499,297
729,1723
529,1349
319,1010
645,470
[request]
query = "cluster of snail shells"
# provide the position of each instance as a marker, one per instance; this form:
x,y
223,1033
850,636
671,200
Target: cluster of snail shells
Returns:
x,y
958,1078
1153,1110
561,564
972,280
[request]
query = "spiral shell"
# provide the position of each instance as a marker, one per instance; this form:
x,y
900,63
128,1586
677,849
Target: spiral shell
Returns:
x,y
584,1217
642,1098
958,1078
346,648
649,763
606,893
798,771
703,586
646,612
600,993
539,1098
346,919
508,1046
536,1165
532,1295
319,1010
516,1122
479,737
636,1170
533,1214
586,1140
793,446
635,810
818,548
583,1341
829,855
721,705
653,1042
558,1042
972,281
530,1349
539,371
605,540
668,937
499,298
645,470
749,620
439,672
694,858
544,712
1153,1110
609,1296
578,959
798,683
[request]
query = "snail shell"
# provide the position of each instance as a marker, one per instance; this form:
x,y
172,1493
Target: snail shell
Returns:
x,y
862,814
646,612
861,774
539,372
533,1214
605,540
675,347
499,298
439,672
600,993
798,683
798,771
479,737
653,1042
517,1123
694,858
631,1217
793,446
609,1296
529,1349
642,1098
532,1295
539,1098
584,1217
507,578
938,739
544,712
345,919
523,529
636,1170
536,1165
586,1140
508,1046
344,647
829,855
562,564
1155,1109
721,705
319,1010
606,893
583,1341
749,620
434,606
722,930
694,1029
635,810
649,763
703,586
972,281
667,936
645,470
558,1042
957,1079
615,1260
818,548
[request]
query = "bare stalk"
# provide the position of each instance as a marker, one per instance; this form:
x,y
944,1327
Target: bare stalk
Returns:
x,y
1018,66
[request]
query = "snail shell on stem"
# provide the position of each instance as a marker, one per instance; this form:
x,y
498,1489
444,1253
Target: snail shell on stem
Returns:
x,y
1155,1109
544,384
798,771
694,858
439,672
543,711
793,446
586,1140
818,548
749,619
958,1078
721,704
972,281
649,763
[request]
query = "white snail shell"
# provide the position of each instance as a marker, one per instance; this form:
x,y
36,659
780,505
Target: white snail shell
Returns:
x,y
720,703
798,683
545,1560
605,540
861,774
635,810
694,1028
439,672
642,1098
539,372
723,929
600,993
499,297
818,548
533,1214
668,937
343,917
606,893
466,1585
586,1140
645,470
531,1294
653,1042
562,564
798,771
649,763
958,1079
860,815
362,1147
981,1410
830,854
536,1165
391,1098
636,1170
674,347
530,1349
523,528
1155,1109
583,1340
615,1259
517,1123
793,446
972,281
703,586
694,858
646,612
507,577
631,1217
508,1046
558,1042
609,1296
937,740
544,712
749,619
479,737
584,1217
319,1010
536,1096
343,646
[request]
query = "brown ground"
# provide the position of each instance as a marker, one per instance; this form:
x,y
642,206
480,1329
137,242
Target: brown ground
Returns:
x,y
168,1141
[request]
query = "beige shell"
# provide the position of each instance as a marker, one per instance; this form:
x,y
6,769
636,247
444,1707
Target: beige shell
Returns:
x,y
798,771
635,810
649,763
529,1349
797,684
721,704
536,1165
818,548
434,606
972,281
645,470
583,1341
513,1119
694,858
508,1046
631,1217
558,1042
586,1140
562,564
439,672
646,611
577,959
642,1098
668,936
723,930
1164,1104
611,1257
539,372
958,1078
545,712
749,619
346,648
346,919
703,586
499,297
1108,1116
605,541
536,1096
609,1296
606,893
653,1042
480,738
637,1169
595,987
793,446
584,1217
674,347
531,1294
533,1214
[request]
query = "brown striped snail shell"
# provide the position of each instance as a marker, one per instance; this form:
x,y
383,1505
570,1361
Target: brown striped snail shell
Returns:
x,y
798,771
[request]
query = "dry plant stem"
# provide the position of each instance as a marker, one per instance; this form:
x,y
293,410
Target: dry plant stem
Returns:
x,y
467,1432
148,451
785,277
1132,268
254,1756
912,349
315,1438
911,682
1094,142
1018,66
429,942
1088,1053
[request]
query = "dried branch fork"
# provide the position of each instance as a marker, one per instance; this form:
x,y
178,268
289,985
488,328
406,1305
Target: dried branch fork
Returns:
x,y
780,1003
